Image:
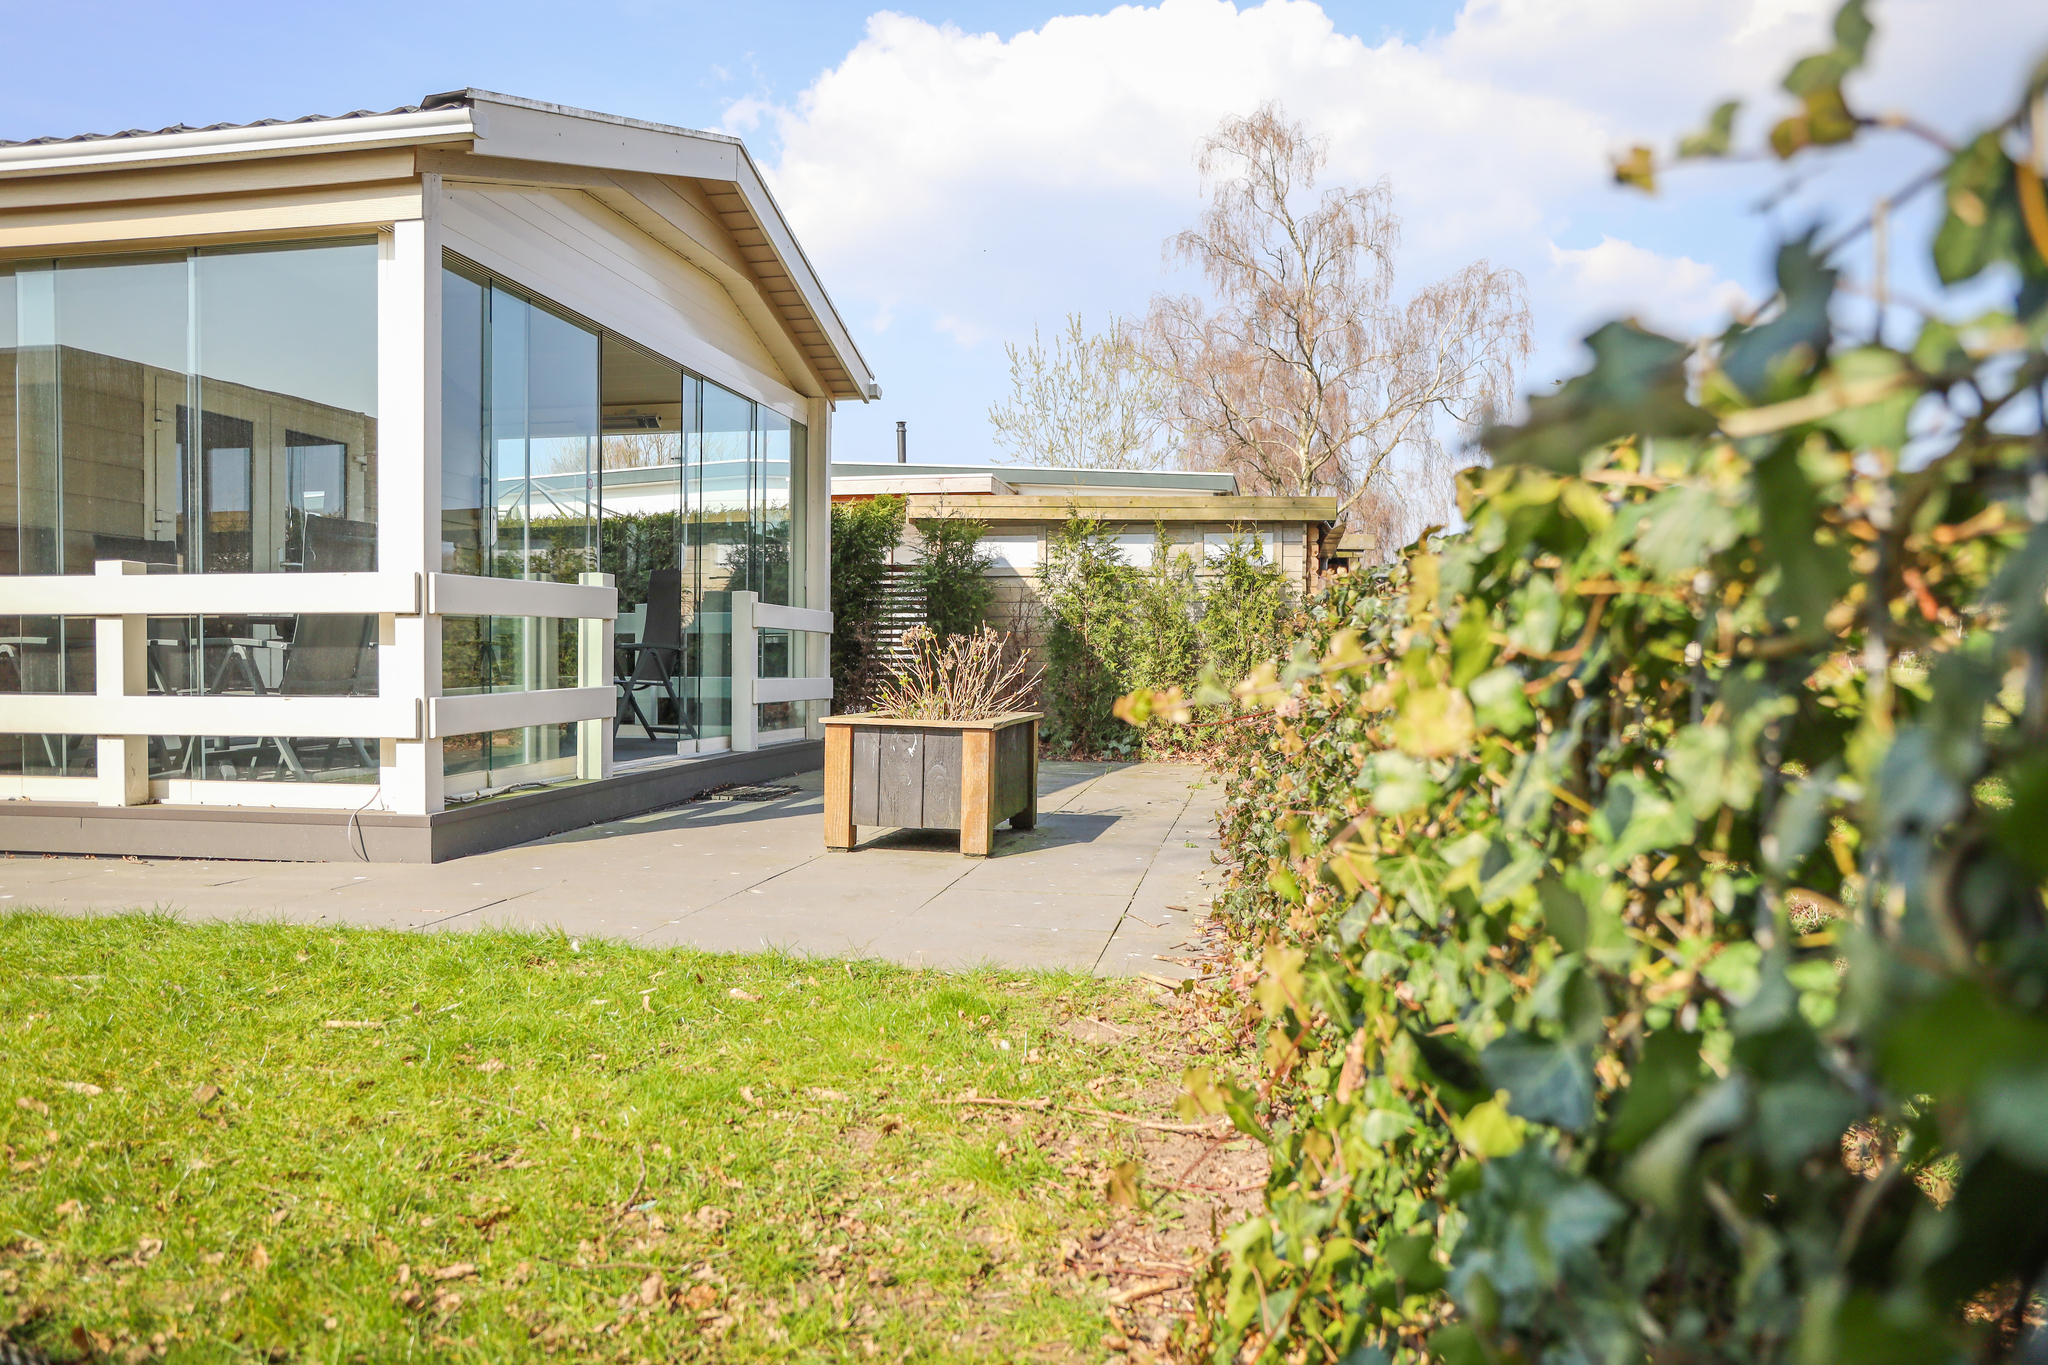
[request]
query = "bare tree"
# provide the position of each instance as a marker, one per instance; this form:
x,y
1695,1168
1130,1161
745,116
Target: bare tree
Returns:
x,y
1089,401
1306,375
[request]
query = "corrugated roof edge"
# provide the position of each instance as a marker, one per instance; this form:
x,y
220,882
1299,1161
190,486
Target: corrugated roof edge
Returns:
x,y
448,99
213,127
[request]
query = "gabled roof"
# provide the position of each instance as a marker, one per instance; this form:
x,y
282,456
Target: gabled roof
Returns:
x,y
508,136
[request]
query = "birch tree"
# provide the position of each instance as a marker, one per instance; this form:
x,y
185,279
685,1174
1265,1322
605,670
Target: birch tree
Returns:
x,y
1087,401
1304,373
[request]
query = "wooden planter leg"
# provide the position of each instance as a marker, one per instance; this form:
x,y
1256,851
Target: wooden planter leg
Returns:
x,y
839,833
977,795
1028,817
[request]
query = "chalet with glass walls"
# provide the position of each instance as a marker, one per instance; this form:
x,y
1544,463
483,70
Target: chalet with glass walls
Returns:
x,y
310,545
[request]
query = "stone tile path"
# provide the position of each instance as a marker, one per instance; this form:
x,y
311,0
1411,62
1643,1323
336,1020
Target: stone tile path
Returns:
x,y
1114,880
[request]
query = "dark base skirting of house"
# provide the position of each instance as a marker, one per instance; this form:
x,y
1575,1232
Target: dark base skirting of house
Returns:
x,y
337,836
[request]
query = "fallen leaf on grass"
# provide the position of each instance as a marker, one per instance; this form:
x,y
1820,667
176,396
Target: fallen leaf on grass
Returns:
x,y
33,1106
737,994
259,1257
404,1274
279,1216
148,1249
461,1270
80,1087
71,1208
353,1023
819,1092
747,1094
206,1094
893,1123
1123,1184
651,1289
489,1065
712,1219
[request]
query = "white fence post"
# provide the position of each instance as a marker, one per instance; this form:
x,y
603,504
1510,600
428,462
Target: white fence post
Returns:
x,y
746,666
121,669
594,669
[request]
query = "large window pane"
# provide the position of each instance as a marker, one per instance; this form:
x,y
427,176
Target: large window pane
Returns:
x,y
465,494
287,360
198,411
101,374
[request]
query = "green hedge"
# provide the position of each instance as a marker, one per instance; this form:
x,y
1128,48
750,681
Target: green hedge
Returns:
x,y
1651,876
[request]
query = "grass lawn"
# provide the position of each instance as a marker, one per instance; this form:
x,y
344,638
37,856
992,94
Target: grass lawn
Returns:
x,y
228,1142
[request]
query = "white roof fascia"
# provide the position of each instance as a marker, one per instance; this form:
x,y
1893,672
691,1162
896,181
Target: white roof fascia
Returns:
x,y
219,144
799,267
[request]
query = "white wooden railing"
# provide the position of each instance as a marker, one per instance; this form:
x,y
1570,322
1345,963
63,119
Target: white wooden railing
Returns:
x,y
121,596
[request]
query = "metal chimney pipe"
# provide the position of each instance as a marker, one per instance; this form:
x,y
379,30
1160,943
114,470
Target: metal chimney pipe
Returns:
x,y
902,443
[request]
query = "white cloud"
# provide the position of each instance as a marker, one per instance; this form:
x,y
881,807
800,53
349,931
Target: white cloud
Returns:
x,y
962,185
994,179
1673,294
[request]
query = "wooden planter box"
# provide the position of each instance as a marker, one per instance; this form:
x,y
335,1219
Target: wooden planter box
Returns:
x,y
931,774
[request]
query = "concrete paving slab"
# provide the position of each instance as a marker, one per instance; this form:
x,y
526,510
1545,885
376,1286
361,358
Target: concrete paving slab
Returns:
x,y
1092,888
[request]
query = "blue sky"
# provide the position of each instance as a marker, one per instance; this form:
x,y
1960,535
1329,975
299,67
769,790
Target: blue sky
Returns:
x,y
959,172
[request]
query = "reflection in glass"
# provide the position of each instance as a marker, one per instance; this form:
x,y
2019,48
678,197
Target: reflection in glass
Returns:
x,y
519,436
565,449
324,655
151,404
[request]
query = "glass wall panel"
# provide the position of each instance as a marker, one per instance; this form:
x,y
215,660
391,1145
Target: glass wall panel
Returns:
x,y
498,759
519,435
48,755
465,482
299,655
151,406
287,390
660,472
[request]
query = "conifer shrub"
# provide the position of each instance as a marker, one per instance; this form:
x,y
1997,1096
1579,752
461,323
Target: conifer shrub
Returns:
x,y
863,534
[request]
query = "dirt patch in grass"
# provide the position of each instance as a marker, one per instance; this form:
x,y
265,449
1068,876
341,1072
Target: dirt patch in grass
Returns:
x,y
235,1141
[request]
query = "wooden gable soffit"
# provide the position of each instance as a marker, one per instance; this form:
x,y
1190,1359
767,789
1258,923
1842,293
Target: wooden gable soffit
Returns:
x,y
555,134
692,217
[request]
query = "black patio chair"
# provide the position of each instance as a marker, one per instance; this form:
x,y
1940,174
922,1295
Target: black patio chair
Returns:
x,y
328,656
655,659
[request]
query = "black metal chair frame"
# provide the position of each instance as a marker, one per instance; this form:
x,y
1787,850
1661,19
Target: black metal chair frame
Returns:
x,y
664,617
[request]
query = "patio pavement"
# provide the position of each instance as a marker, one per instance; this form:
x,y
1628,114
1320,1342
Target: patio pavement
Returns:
x,y
1115,879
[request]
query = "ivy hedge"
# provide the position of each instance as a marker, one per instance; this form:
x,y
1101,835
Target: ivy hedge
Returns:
x,y
1651,874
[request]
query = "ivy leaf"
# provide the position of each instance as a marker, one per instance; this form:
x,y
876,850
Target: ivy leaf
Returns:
x,y
1637,386
1812,573
1487,1129
1399,784
1710,770
1879,424
1635,817
1452,1062
1762,360
1948,1045
1984,224
1433,722
1793,1118
1498,702
1682,527
1713,139
1663,1169
1547,1082
1664,1077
